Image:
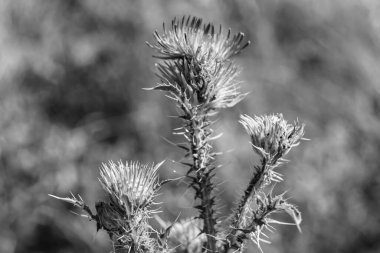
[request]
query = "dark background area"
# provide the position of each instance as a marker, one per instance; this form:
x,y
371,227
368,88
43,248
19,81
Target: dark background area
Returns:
x,y
71,79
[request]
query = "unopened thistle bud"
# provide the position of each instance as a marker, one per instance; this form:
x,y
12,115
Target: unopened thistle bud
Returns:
x,y
131,186
271,135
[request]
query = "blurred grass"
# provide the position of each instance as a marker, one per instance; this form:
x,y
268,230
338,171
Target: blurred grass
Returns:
x,y
70,98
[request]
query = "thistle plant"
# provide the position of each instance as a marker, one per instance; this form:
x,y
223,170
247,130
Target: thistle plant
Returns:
x,y
196,71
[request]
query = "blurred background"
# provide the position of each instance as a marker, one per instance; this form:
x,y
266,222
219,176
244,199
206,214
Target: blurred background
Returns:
x,y
71,79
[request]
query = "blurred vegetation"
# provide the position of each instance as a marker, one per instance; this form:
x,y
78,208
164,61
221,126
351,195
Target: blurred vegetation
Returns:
x,y
70,98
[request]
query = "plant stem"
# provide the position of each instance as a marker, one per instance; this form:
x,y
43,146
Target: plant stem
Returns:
x,y
255,183
201,173
233,241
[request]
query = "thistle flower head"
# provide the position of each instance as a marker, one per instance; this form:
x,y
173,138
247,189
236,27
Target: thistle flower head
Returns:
x,y
189,38
131,186
200,71
271,135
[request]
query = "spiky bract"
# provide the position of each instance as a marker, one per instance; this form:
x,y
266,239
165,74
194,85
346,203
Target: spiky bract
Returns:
x,y
216,89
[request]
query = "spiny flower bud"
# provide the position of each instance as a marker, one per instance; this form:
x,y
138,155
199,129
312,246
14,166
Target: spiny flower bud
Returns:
x,y
132,185
271,136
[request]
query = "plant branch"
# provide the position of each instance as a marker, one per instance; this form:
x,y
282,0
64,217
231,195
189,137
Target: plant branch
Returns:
x,y
235,238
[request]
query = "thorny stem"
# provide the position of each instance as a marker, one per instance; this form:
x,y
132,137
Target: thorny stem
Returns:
x,y
234,239
254,184
201,173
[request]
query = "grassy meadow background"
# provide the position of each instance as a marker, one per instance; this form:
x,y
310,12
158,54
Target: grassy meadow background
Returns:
x,y
71,79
